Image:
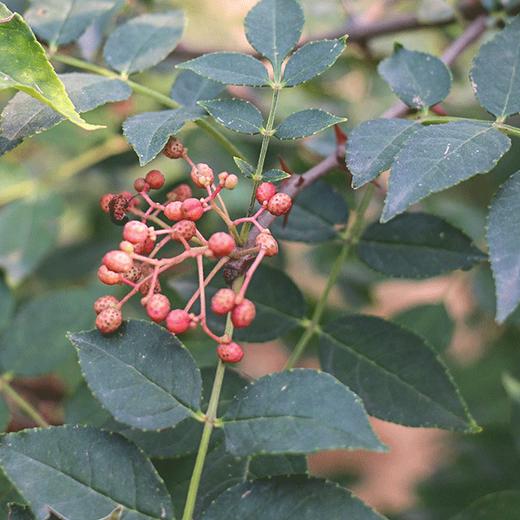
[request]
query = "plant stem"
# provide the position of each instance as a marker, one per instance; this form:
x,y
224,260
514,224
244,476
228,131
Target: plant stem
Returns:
x,y
20,402
351,238
151,93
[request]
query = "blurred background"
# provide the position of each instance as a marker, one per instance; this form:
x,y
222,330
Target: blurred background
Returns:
x,y
50,186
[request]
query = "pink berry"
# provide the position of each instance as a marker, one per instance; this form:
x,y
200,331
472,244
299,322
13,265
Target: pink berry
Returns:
x,y
173,211
174,149
146,247
231,182
267,242
118,261
202,175
155,179
105,302
184,229
221,244
243,314
230,352
135,231
107,276
158,307
126,246
180,193
178,321
279,204
140,185
223,301
265,192
105,200
192,209
109,320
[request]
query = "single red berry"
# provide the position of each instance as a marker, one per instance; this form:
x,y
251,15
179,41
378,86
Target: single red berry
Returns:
x,y
105,200
126,246
221,244
140,185
118,206
158,307
135,231
231,182
192,209
174,149
173,211
202,175
107,276
109,320
184,229
118,261
265,192
155,179
178,321
180,193
243,314
223,301
222,176
105,302
267,242
279,204
134,274
230,352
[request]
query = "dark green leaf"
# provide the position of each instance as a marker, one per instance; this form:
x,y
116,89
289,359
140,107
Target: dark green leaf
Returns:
x,y
315,214
373,145
496,506
6,304
289,498
149,132
504,247
190,88
276,465
87,474
142,375
5,415
24,66
417,245
19,512
313,59
24,116
64,21
419,79
230,68
278,414
495,75
440,156
29,231
275,175
512,388
144,41
273,28
248,170
431,322
235,114
305,123
367,354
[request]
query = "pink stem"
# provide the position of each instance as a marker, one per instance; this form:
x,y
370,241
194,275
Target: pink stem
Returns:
x,y
249,275
211,275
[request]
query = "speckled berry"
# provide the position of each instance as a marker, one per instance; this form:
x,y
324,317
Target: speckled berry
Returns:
x,y
265,192
104,202
134,274
221,244
243,314
223,301
109,320
174,149
185,229
178,321
230,352
107,276
158,307
267,242
192,209
155,179
202,175
118,261
180,193
105,302
140,185
279,204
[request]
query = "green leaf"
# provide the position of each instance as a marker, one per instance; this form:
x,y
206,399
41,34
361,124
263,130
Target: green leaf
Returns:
x,y
24,66
144,41
311,60
417,78
289,498
248,170
278,414
366,353
64,21
6,304
273,28
275,175
24,116
35,343
142,375
512,388
417,245
29,231
503,505
431,322
263,466
19,512
190,88
149,132
495,75
305,123
373,146
5,415
236,114
438,157
504,248
87,474
230,68
315,215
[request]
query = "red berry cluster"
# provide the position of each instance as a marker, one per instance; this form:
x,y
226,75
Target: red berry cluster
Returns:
x,y
138,263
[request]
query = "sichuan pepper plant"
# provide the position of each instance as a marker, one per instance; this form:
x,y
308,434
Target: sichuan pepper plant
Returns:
x,y
162,423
